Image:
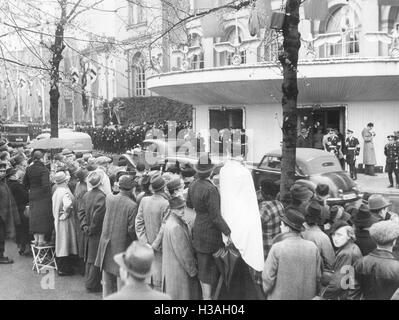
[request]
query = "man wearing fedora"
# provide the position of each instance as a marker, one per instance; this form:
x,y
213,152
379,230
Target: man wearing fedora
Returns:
x,y
134,268
293,267
377,274
204,197
379,208
91,216
362,220
316,235
117,233
151,217
102,164
179,265
391,152
352,151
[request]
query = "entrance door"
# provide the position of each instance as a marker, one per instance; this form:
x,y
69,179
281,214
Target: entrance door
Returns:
x,y
320,119
226,119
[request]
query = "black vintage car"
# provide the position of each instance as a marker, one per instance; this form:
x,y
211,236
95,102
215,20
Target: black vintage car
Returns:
x,y
16,134
313,166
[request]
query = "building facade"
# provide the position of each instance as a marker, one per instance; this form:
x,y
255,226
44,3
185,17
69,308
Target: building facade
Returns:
x,y
347,75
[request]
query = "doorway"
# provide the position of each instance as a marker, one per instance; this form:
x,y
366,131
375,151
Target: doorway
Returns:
x,y
318,119
226,118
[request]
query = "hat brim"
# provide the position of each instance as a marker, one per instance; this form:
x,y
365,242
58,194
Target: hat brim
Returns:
x,y
289,223
158,189
95,185
119,259
365,223
62,181
209,170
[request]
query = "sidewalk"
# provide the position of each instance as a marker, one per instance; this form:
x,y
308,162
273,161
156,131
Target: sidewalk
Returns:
x,y
377,184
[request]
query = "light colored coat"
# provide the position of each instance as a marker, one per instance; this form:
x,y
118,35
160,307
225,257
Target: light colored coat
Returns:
x,y
179,267
292,269
64,224
368,150
150,222
117,232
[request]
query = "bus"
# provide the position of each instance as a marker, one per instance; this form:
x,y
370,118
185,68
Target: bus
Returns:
x,y
16,134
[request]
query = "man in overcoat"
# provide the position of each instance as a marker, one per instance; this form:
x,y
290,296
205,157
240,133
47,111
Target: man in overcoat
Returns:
x,y
9,217
91,216
293,267
377,274
368,151
150,221
117,234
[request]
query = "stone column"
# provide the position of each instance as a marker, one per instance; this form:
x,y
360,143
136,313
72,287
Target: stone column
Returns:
x,y
370,23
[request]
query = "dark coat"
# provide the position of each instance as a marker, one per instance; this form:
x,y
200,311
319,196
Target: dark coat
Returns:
x,y
364,241
20,195
21,199
37,181
80,191
179,266
378,275
8,210
203,196
303,142
118,231
345,258
91,214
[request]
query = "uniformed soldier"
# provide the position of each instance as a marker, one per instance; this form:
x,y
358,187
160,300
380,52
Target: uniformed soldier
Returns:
x,y
333,143
352,151
391,151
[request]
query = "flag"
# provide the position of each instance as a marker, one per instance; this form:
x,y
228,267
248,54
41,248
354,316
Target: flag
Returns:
x,y
264,10
316,9
92,73
212,25
21,82
75,75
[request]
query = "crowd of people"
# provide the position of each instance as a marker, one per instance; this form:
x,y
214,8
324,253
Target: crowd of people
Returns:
x,y
192,232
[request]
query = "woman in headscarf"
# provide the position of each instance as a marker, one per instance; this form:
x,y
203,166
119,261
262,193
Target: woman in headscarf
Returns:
x,y
347,254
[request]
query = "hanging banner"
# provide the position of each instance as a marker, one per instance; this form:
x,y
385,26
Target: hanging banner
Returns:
x,y
316,9
264,10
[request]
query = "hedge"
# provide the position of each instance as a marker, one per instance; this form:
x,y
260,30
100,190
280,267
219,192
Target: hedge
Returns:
x,y
137,110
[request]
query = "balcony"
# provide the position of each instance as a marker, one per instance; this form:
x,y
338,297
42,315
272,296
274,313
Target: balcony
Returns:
x,y
320,80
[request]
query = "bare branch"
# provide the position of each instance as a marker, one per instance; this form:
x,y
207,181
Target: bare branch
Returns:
x,y
73,14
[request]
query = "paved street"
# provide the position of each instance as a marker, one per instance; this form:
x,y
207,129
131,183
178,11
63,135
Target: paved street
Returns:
x,y
378,184
19,282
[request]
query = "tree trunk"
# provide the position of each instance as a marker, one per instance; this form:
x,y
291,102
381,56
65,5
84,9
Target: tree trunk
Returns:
x,y
289,61
56,49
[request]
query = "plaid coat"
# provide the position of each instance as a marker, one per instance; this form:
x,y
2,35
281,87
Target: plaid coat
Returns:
x,y
203,196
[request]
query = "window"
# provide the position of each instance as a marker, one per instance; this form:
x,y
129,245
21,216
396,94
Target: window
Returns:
x,y
226,58
136,12
197,60
138,72
343,20
271,162
272,45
